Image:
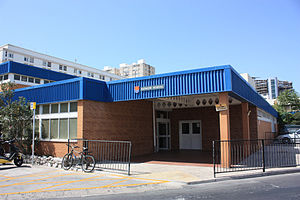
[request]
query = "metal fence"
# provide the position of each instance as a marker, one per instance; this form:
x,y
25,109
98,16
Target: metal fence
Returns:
x,y
243,155
114,155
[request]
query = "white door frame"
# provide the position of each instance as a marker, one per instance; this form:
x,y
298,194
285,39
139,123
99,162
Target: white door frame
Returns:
x,y
190,132
161,120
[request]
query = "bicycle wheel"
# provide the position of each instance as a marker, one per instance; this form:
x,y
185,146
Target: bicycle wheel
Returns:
x,y
88,163
67,161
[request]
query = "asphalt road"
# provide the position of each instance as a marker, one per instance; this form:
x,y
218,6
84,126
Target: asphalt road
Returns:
x,y
267,188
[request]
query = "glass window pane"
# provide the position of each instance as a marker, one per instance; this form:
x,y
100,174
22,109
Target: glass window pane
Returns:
x,y
185,128
31,80
63,107
73,107
54,129
45,109
54,108
45,128
73,128
38,81
24,78
162,128
196,128
63,129
17,77
36,127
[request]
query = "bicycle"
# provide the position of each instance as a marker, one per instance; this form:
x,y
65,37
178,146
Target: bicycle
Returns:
x,y
87,161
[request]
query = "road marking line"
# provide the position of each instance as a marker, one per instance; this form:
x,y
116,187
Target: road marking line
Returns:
x,y
22,183
30,175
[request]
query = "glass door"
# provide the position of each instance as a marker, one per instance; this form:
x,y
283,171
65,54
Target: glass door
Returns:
x,y
163,134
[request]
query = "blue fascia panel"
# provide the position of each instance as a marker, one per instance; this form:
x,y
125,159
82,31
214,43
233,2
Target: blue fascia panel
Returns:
x,y
191,82
66,90
22,69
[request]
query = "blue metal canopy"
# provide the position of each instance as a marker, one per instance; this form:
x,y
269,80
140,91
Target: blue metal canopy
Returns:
x,y
183,83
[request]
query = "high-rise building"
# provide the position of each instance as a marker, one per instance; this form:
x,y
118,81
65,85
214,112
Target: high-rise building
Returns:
x,y
138,69
25,56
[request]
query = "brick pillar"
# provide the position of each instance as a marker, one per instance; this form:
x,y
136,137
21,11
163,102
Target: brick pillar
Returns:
x,y
224,131
245,121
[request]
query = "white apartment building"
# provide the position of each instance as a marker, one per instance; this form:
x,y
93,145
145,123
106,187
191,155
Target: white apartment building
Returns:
x,y
133,70
10,52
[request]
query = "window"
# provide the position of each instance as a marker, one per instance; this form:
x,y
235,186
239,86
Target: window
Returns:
x,y
5,77
31,80
24,78
5,53
60,67
185,128
49,64
65,68
17,77
73,128
63,128
37,80
11,55
44,63
79,71
196,128
45,128
31,60
1,78
45,81
26,59
54,129
75,71
92,74
73,107
54,108
45,109
64,107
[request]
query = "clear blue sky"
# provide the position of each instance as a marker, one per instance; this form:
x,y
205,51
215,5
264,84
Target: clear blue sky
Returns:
x,y
261,37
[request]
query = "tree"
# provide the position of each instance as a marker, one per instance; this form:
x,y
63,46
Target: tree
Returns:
x,y
15,116
287,102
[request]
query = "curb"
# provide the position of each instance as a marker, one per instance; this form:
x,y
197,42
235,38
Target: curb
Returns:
x,y
255,175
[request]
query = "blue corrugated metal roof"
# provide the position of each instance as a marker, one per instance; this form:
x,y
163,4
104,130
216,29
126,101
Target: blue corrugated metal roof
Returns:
x,y
67,90
22,69
191,82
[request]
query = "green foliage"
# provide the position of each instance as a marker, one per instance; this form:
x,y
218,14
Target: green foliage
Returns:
x,y
15,116
288,101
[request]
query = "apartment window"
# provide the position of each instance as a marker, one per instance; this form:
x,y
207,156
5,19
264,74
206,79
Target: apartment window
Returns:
x,y
60,67
5,77
49,64
17,77
37,80
65,68
75,71
5,53
31,60
11,55
26,59
1,78
79,72
44,63
45,81
31,80
89,74
24,78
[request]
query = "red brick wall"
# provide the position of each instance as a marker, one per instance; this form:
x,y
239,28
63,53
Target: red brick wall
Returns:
x,y
236,123
264,127
125,121
57,149
253,122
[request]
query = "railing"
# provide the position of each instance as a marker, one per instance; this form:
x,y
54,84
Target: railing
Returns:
x,y
114,155
244,155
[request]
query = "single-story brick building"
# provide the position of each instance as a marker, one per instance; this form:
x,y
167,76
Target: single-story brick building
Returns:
x,y
173,111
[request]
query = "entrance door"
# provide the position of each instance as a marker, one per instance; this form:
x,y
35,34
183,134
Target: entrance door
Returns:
x,y
190,134
163,134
